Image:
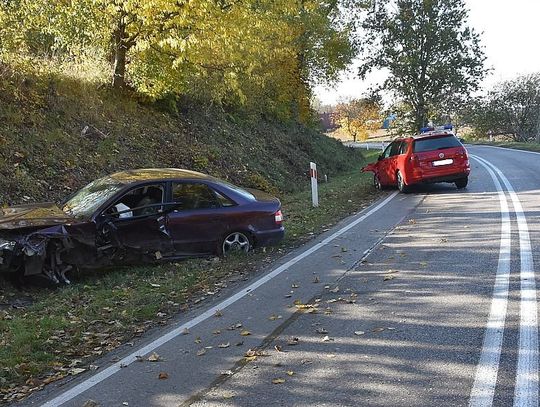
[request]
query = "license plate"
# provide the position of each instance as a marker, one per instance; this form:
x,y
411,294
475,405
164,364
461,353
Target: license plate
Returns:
x,y
443,162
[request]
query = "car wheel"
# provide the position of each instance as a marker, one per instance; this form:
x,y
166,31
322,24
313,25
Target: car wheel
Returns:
x,y
401,183
236,242
377,182
462,182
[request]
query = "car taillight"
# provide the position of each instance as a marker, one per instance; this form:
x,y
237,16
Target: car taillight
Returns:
x,y
278,216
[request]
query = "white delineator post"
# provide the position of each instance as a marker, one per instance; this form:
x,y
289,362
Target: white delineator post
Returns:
x,y
314,186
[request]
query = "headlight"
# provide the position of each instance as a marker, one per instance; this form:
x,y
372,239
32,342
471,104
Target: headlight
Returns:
x,y
7,245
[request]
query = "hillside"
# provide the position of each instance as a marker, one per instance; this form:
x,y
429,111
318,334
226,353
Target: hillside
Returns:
x,y
56,134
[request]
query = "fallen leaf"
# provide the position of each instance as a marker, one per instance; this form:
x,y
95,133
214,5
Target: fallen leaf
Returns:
x,y
379,329
322,331
198,339
316,280
185,331
227,373
388,277
359,333
278,380
294,286
334,290
201,352
216,332
163,376
327,339
76,370
154,285
278,348
273,317
224,345
250,358
245,333
290,372
154,357
218,313
293,341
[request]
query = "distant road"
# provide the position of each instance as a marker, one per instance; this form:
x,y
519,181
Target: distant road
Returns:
x,y
372,145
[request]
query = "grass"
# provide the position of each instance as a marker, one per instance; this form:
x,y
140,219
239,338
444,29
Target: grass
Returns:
x,y
60,331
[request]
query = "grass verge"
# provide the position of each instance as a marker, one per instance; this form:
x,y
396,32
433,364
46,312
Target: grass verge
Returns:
x,y
46,335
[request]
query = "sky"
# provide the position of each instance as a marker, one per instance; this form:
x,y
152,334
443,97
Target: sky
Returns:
x,y
511,31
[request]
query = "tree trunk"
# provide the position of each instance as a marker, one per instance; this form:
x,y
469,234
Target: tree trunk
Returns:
x,y
120,51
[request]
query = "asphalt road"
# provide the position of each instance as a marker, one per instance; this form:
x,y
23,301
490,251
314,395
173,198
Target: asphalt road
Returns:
x,y
423,299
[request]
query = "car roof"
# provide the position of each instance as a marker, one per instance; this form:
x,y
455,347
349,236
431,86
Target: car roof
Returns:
x,y
158,174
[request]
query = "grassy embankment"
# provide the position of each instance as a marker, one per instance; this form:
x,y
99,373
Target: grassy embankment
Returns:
x,y
56,134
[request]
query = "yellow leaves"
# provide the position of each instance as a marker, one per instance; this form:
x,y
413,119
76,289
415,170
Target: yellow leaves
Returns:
x,y
278,380
245,332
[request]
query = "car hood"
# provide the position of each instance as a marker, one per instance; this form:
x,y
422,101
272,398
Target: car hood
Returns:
x,y
33,215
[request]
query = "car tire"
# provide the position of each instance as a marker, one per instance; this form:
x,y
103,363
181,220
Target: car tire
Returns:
x,y
235,242
401,183
377,182
462,183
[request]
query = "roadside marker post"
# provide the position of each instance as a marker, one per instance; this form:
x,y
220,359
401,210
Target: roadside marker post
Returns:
x,y
314,186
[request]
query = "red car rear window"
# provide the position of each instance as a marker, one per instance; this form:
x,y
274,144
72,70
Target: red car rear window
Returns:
x,y
438,143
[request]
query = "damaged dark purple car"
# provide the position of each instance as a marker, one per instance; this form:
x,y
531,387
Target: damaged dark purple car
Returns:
x,y
135,217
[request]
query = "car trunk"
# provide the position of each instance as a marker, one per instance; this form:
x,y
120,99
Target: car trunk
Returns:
x,y
440,154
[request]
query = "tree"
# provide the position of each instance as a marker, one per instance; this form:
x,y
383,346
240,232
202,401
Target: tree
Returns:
x,y
358,117
261,55
512,108
433,58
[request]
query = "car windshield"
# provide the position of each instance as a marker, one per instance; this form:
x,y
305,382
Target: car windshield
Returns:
x,y
85,202
437,143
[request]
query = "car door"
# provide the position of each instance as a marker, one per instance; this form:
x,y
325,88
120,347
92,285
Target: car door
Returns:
x,y
199,219
388,163
135,222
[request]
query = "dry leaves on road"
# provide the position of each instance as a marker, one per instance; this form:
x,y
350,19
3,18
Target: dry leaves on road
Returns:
x,y
278,380
154,357
163,376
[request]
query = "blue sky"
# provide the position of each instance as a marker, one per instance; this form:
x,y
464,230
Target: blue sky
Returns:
x,y
511,32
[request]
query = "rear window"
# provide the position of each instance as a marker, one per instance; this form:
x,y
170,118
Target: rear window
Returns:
x,y
438,143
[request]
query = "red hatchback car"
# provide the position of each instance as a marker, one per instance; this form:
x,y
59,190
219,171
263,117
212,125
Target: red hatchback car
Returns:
x,y
436,156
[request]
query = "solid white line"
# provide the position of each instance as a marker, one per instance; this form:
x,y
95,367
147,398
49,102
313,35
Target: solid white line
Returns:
x,y
527,380
111,370
485,380
506,148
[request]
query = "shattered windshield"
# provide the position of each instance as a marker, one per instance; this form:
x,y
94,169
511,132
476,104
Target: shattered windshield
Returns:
x,y
86,201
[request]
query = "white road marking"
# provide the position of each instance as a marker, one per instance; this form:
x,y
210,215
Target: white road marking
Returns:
x,y
527,380
111,370
505,148
485,379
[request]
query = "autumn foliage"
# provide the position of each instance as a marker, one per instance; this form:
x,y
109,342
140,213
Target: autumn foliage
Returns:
x,y
263,55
